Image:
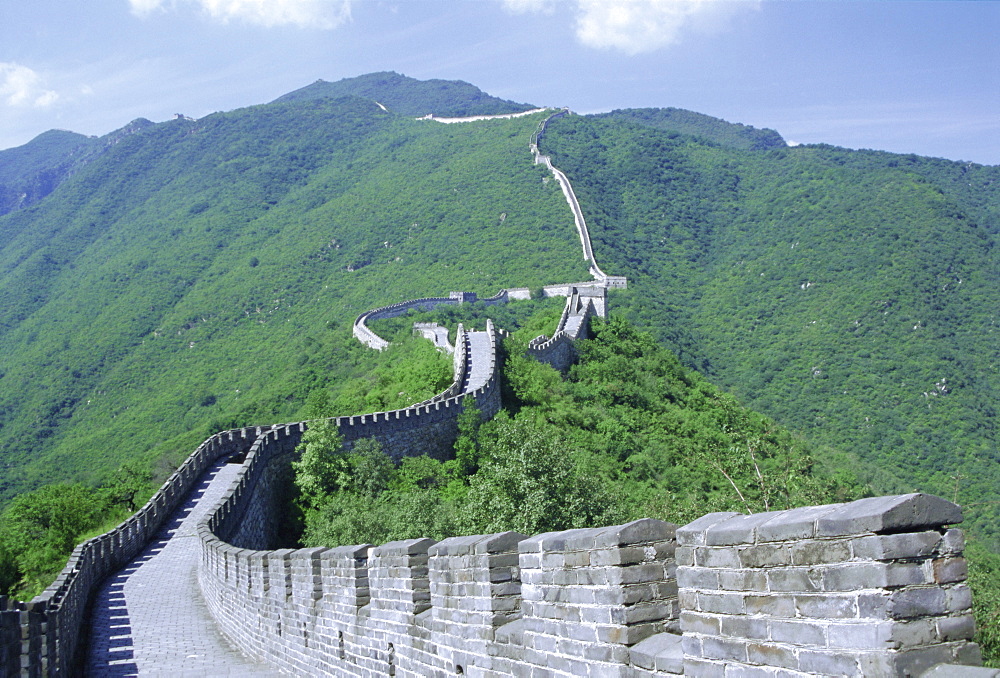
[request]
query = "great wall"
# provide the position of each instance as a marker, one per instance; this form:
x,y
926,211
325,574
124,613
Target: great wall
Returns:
x,y
191,584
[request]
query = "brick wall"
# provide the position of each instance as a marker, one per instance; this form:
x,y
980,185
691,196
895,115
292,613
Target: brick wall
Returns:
x,y
874,587
49,624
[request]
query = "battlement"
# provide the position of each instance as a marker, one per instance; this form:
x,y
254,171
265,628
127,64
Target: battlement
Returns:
x,y
582,301
873,587
49,625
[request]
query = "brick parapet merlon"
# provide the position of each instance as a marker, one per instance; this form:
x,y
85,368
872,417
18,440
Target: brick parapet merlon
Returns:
x,y
873,587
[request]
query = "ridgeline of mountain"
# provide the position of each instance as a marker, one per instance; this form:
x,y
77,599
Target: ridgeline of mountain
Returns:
x,y
199,275
30,172
409,96
733,135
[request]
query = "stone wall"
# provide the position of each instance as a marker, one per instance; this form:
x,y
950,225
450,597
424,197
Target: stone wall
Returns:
x,y
874,587
10,639
366,336
49,624
428,428
558,350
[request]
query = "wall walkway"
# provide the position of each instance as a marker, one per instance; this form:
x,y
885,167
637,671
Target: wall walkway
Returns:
x,y
150,617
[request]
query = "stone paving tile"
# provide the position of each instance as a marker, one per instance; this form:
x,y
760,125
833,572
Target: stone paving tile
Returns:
x,y
150,619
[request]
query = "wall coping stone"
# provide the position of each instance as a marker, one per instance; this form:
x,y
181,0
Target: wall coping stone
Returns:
x,y
636,532
957,671
356,552
907,512
660,652
693,534
403,547
874,515
477,544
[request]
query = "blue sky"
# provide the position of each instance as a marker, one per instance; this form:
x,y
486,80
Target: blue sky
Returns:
x,y
909,77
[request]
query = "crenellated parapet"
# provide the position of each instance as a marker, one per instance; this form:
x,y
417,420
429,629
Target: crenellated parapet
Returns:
x,y
582,302
874,587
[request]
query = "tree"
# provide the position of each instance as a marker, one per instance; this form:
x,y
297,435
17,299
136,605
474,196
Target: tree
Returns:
x,y
322,467
527,482
129,480
370,467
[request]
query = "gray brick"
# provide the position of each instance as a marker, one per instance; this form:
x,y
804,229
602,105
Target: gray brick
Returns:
x,y
745,627
795,579
772,605
948,570
706,556
701,668
721,603
958,598
772,654
956,628
896,546
821,552
697,622
861,636
697,578
915,661
798,632
828,663
830,606
953,542
724,648
917,602
767,555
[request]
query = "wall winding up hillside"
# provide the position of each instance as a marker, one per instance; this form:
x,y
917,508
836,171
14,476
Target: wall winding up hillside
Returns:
x,y
874,587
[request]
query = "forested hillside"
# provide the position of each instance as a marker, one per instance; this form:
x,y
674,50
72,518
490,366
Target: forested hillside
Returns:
x,y
851,295
169,280
200,275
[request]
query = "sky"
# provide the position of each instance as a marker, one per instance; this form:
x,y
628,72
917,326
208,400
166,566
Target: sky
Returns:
x,y
907,77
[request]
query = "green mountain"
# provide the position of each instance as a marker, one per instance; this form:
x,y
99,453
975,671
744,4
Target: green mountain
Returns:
x,y
29,173
710,129
204,274
851,295
408,96
173,279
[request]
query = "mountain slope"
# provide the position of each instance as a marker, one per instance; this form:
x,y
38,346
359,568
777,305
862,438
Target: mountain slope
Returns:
x,y
30,172
200,275
849,294
718,131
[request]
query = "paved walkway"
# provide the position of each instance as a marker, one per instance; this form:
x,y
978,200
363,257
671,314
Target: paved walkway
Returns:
x,y
477,358
150,619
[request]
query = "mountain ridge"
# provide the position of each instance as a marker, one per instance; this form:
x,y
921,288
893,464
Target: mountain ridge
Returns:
x,y
167,263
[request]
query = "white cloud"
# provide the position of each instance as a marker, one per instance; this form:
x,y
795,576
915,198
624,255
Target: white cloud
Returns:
x,y
21,86
523,6
144,7
302,13
635,26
